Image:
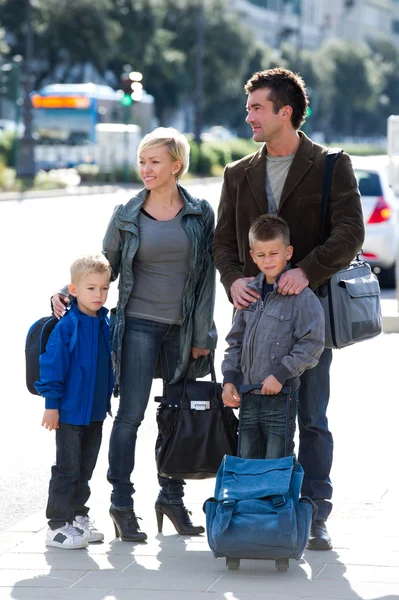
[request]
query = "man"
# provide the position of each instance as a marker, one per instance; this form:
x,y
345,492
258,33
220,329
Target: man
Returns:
x,y
285,177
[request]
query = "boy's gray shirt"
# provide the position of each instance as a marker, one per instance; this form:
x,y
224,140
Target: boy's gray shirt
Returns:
x,y
280,335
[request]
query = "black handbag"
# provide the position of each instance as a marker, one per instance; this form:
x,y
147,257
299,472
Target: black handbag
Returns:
x,y
195,429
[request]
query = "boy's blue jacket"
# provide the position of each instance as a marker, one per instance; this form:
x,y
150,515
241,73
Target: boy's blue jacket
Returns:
x,y
68,367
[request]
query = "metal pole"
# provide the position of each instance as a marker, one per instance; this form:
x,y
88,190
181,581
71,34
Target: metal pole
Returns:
x,y
126,145
17,60
199,72
26,159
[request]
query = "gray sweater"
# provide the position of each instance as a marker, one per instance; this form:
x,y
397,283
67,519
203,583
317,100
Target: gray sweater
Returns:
x,y
280,335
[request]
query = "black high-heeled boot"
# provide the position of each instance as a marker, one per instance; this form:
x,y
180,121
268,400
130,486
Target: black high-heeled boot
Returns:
x,y
126,525
180,517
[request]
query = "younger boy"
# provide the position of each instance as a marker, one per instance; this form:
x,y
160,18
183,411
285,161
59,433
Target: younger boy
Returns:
x,y
76,381
271,343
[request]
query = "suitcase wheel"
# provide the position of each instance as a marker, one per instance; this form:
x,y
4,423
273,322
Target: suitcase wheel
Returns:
x,y
282,564
232,563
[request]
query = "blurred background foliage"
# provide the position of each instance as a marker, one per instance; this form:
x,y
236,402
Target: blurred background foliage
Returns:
x,y
353,88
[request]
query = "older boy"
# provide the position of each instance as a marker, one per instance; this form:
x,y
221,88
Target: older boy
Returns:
x,y
271,343
76,381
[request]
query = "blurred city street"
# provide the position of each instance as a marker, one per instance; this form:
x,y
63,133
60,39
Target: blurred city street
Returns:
x,y
39,239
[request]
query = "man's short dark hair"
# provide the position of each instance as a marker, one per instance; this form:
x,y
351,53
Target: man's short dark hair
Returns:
x,y
285,89
269,227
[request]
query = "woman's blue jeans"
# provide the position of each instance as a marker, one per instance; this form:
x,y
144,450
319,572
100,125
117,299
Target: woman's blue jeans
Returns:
x,y
143,342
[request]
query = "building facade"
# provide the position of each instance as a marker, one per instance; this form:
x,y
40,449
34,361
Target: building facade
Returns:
x,y
307,23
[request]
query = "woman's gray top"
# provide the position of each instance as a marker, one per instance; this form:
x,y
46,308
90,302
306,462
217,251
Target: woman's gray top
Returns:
x,y
160,270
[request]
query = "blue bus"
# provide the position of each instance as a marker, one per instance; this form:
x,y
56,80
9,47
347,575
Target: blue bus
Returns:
x,y
68,113
69,121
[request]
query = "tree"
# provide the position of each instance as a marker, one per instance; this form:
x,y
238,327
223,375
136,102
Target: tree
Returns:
x,y
68,34
349,87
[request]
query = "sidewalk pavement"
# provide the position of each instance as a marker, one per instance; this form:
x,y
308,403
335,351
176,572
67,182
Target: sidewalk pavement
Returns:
x,y
364,524
364,563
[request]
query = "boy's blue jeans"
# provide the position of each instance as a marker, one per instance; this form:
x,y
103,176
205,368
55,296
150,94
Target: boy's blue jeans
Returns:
x,y
143,341
77,448
315,440
263,425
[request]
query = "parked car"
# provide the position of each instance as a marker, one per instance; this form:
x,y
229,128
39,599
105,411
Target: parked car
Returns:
x,y
381,213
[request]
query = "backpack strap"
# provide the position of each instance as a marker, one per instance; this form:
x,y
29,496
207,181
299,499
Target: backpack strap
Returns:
x,y
74,335
331,157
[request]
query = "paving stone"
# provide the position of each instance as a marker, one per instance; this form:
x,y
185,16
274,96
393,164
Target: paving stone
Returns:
x,y
40,578
283,583
142,579
30,593
173,595
366,573
68,560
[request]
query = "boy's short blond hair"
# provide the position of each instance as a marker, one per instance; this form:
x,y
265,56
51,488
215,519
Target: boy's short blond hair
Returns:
x,y
89,263
175,142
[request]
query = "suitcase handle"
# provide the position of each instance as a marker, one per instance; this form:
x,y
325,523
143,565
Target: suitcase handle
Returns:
x,y
250,387
286,389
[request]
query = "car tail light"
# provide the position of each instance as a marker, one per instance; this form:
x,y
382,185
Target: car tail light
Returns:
x,y
382,212
369,255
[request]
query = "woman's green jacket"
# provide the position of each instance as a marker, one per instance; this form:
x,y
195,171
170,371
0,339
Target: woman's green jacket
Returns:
x,y
120,245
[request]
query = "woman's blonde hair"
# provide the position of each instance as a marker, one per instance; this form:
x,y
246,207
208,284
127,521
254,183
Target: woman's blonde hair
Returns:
x,y
176,143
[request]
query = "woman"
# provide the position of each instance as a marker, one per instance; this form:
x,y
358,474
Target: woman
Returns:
x,y
159,244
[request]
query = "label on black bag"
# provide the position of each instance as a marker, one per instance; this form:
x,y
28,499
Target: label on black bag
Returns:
x,y
200,405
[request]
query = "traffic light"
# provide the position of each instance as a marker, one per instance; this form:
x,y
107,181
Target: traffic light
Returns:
x,y
126,87
131,87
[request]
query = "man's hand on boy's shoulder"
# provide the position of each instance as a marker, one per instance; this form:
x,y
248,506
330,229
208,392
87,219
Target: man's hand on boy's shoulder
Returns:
x,y
241,295
292,282
230,395
271,386
51,419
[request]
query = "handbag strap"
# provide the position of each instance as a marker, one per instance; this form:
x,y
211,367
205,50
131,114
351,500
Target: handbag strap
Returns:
x,y
331,157
211,368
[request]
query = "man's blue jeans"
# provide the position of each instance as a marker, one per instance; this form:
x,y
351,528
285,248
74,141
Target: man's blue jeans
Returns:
x,y
315,440
263,425
143,341
77,448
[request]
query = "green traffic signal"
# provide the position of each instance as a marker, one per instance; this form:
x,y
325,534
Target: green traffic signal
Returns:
x,y
309,111
126,100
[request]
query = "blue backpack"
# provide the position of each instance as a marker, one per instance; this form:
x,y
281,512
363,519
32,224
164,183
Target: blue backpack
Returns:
x,y
257,511
35,345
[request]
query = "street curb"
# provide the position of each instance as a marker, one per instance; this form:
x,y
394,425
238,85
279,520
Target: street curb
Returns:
x,y
390,315
85,190
68,191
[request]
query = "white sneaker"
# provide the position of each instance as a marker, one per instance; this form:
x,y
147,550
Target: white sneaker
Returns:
x,y
86,528
65,537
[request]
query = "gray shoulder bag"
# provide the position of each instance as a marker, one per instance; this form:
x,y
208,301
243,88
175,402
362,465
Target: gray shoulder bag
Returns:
x,y
351,297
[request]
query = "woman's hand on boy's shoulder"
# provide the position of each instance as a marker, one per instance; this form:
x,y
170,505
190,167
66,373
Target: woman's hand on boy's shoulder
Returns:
x,y
59,302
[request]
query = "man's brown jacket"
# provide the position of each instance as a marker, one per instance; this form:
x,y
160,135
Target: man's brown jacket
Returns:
x,y
244,198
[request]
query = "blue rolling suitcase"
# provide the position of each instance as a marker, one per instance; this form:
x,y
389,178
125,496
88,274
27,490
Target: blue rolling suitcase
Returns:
x,y
257,511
